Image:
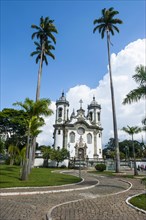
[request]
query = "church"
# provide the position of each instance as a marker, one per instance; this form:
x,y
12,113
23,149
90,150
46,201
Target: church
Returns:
x,y
80,134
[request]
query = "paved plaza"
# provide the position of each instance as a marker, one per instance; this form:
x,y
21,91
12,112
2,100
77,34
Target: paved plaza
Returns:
x,y
95,198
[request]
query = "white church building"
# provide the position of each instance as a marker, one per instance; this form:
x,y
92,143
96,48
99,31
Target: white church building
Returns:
x,y
80,134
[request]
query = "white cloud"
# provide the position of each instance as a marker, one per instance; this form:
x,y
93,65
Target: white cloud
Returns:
x,y
123,67
46,137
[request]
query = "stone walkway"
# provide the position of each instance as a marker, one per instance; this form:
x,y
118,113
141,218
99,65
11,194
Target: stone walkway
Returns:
x,y
104,198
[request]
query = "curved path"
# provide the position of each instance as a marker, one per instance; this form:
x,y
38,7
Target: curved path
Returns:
x,y
103,201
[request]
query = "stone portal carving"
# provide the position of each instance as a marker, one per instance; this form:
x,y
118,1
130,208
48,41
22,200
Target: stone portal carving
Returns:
x,y
81,149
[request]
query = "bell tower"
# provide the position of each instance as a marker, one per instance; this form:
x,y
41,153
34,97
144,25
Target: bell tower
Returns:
x,y
60,133
94,112
62,108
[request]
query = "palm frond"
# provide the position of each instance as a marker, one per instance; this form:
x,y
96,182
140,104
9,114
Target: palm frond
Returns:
x,y
103,32
132,130
116,21
135,95
115,28
111,30
103,11
107,22
51,55
140,76
45,59
38,44
34,53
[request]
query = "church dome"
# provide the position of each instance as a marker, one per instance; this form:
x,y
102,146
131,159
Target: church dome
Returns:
x,y
62,100
94,104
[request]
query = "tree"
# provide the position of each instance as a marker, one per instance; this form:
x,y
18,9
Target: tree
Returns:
x,y
12,127
22,156
46,154
14,153
59,155
107,24
35,111
131,131
43,48
140,92
2,146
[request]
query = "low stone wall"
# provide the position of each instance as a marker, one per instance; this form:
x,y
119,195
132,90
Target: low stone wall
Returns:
x,y
38,162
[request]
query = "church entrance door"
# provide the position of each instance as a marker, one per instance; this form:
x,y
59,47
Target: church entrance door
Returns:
x,y
81,153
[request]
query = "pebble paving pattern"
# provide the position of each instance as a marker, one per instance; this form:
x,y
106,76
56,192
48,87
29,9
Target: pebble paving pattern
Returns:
x,y
96,203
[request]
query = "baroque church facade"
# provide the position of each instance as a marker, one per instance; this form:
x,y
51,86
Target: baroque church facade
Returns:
x,y
80,134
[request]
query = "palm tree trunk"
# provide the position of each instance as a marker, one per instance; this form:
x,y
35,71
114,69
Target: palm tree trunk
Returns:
x,y
30,156
24,175
39,75
113,108
134,159
37,98
33,151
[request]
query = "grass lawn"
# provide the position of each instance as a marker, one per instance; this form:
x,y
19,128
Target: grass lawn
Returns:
x,y
139,201
111,173
10,177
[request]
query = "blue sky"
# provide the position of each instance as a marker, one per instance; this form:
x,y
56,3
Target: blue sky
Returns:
x,y
81,56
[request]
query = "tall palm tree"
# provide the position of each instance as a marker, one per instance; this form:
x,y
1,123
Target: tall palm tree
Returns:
x,y
35,111
131,131
107,24
44,31
140,92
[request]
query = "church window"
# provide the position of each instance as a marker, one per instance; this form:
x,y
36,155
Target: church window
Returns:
x,y
72,137
81,131
60,112
89,138
100,151
59,131
98,114
91,118
99,135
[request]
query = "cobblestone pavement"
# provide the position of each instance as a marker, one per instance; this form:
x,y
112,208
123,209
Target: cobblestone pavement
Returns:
x,y
94,203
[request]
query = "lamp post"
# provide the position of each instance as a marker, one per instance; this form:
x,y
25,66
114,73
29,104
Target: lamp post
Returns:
x,y
87,160
80,164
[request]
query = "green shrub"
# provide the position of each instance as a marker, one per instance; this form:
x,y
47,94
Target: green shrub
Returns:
x,y
63,166
100,167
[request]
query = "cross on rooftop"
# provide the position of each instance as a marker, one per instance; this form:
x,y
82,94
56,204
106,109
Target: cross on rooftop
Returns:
x,y
81,102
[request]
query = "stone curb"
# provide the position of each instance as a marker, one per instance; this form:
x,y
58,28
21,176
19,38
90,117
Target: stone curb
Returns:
x,y
49,191
128,203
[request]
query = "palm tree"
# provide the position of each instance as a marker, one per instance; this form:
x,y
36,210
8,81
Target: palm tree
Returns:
x,y
34,120
22,156
14,153
107,24
131,131
43,32
140,92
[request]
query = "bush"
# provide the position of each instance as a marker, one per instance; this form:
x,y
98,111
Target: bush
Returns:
x,y
63,166
100,167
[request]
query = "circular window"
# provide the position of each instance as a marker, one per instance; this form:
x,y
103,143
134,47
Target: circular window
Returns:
x,y
81,131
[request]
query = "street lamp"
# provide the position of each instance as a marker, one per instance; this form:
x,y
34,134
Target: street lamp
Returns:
x,y
80,164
